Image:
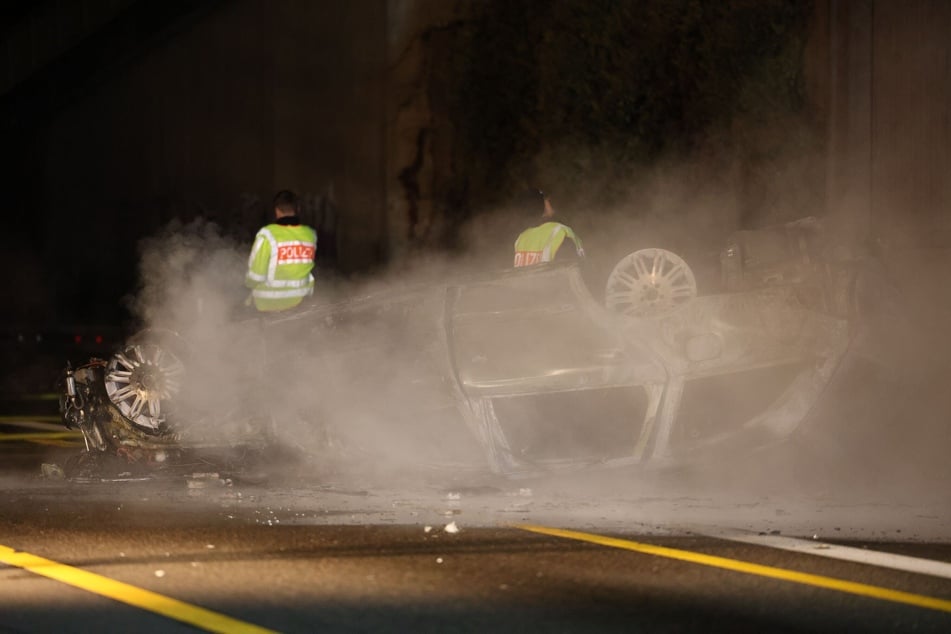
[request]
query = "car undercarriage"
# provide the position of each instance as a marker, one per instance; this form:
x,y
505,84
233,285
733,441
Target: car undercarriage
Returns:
x,y
519,372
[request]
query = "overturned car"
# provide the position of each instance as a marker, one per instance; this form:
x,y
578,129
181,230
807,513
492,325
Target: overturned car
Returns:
x,y
520,372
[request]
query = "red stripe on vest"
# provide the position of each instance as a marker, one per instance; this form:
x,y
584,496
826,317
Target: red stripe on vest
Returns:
x,y
527,258
296,252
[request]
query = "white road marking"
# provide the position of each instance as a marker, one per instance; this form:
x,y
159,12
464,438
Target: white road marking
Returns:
x,y
845,553
746,567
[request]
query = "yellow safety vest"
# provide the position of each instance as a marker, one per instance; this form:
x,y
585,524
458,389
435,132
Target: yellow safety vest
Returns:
x,y
540,244
280,265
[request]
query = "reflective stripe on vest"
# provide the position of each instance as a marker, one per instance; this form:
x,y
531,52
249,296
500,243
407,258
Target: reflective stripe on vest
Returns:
x,y
280,265
540,244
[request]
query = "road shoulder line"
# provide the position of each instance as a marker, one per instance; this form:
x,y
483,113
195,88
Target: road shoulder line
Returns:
x,y
736,565
128,594
877,558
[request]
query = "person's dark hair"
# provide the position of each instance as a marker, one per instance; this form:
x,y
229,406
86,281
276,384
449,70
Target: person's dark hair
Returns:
x,y
286,201
531,202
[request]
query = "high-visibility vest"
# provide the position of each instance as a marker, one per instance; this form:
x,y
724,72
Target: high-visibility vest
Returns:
x,y
540,244
280,265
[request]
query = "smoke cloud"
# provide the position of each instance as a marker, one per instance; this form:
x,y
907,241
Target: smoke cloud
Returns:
x,y
337,382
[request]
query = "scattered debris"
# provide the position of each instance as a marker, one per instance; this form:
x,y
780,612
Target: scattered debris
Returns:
x,y
52,471
202,480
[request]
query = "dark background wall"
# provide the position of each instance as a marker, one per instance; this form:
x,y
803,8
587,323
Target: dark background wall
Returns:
x,y
120,116
911,121
207,115
883,77
886,77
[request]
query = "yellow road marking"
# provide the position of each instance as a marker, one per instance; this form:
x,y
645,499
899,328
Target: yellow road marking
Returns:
x,y
735,565
37,396
41,436
131,595
58,443
17,419
26,423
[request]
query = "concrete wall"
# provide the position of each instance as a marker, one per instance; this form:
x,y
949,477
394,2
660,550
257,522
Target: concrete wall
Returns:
x,y
418,134
911,121
329,101
848,111
887,88
888,99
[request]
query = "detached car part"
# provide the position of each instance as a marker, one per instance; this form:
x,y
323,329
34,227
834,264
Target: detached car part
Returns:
x,y
125,407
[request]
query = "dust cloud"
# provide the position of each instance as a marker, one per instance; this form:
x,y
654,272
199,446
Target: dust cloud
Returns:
x,y
344,390
357,383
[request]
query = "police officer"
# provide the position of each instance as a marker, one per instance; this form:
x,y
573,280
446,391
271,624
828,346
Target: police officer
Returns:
x,y
543,242
282,258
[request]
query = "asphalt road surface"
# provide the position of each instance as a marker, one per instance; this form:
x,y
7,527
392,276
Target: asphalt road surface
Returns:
x,y
455,553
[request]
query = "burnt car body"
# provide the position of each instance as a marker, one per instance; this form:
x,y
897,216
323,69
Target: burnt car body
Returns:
x,y
526,365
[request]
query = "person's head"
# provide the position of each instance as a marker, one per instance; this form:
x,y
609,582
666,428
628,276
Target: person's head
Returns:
x,y
535,204
285,204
